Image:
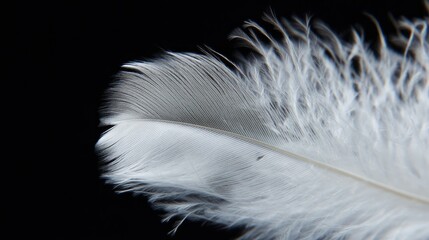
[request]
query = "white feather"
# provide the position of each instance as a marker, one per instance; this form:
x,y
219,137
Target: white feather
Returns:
x,y
313,138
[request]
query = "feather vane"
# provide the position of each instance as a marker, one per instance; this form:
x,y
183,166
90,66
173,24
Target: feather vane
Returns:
x,y
311,138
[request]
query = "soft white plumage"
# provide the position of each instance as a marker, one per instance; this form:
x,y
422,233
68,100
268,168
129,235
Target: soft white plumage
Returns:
x,y
314,138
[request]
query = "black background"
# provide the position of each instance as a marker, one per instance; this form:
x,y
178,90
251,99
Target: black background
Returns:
x,y
64,55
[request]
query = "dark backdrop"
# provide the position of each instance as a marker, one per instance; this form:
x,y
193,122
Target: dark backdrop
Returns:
x,y
65,54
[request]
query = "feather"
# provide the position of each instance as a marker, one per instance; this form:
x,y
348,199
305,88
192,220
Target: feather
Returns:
x,y
308,138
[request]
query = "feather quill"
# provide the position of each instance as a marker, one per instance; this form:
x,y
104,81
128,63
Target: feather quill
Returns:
x,y
312,138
